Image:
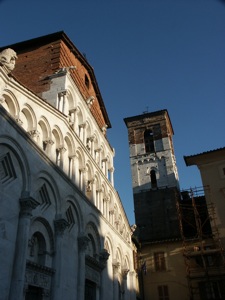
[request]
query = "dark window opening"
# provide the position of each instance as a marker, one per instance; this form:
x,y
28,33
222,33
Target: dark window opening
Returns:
x,y
163,292
34,293
153,179
160,261
90,290
149,141
87,83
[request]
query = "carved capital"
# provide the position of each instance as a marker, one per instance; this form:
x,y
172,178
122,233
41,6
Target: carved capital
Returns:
x,y
83,242
60,226
83,125
48,141
116,267
27,204
61,149
124,273
34,133
103,257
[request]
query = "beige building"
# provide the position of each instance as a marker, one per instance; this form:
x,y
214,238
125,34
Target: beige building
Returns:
x,y
63,231
206,260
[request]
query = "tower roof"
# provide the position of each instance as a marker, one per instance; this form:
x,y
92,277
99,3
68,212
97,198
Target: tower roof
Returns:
x,y
158,113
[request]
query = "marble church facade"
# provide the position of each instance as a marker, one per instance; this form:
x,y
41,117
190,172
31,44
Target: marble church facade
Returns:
x,y
64,233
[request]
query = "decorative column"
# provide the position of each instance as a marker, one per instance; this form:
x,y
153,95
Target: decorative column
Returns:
x,y
124,277
27,204
61,101
132,286
105,166
98,156
116,267
82,179
61,150
82,246
111,170
76,169
94,191
103,258
72,167
82,132
92,139
60,225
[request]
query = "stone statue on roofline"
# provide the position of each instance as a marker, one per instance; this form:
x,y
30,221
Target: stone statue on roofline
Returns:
x,y
8,59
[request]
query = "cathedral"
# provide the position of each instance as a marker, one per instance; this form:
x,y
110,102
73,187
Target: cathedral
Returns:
x,y
64,233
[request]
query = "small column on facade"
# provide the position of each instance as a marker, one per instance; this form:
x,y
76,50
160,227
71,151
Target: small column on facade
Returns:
x,y
60,225
111,170
90,189
63,101
83,179
98,155
72,117
27,204
124,277
59,102
60,105
82,246
99,199
60,156
92,138
34,135
106,206
105,166
111,216
82,134
72,171
103,258
116,267
47,145
132,285
94,190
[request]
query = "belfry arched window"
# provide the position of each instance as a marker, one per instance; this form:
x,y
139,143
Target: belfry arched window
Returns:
x,y
149,141
153,179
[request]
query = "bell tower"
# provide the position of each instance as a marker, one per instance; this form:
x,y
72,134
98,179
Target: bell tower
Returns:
x,y
154,175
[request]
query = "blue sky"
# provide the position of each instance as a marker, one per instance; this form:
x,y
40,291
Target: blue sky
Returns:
x,y
147,55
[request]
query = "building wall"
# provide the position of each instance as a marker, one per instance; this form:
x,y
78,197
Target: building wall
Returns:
x,y
64,232
173,277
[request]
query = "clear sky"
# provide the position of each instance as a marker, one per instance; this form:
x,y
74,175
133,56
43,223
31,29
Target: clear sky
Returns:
x,y
147,55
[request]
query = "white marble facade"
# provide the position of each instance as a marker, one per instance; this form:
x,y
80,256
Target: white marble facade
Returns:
x,y
63,230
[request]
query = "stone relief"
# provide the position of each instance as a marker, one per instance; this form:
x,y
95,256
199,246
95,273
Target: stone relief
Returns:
x,y
8,59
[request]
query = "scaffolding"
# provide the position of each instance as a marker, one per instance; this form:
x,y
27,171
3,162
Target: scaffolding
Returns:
x,y
202,248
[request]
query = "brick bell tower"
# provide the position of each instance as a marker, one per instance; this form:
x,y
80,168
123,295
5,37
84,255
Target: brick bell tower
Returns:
x,y
154,176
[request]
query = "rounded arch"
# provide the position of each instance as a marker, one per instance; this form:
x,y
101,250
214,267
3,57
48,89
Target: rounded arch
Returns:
x,y
44,130
70,150
20,155
57,139
72,98
108,244
95,241
11,103
57,136
50,191
42,225
28,118
41,243
71,201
